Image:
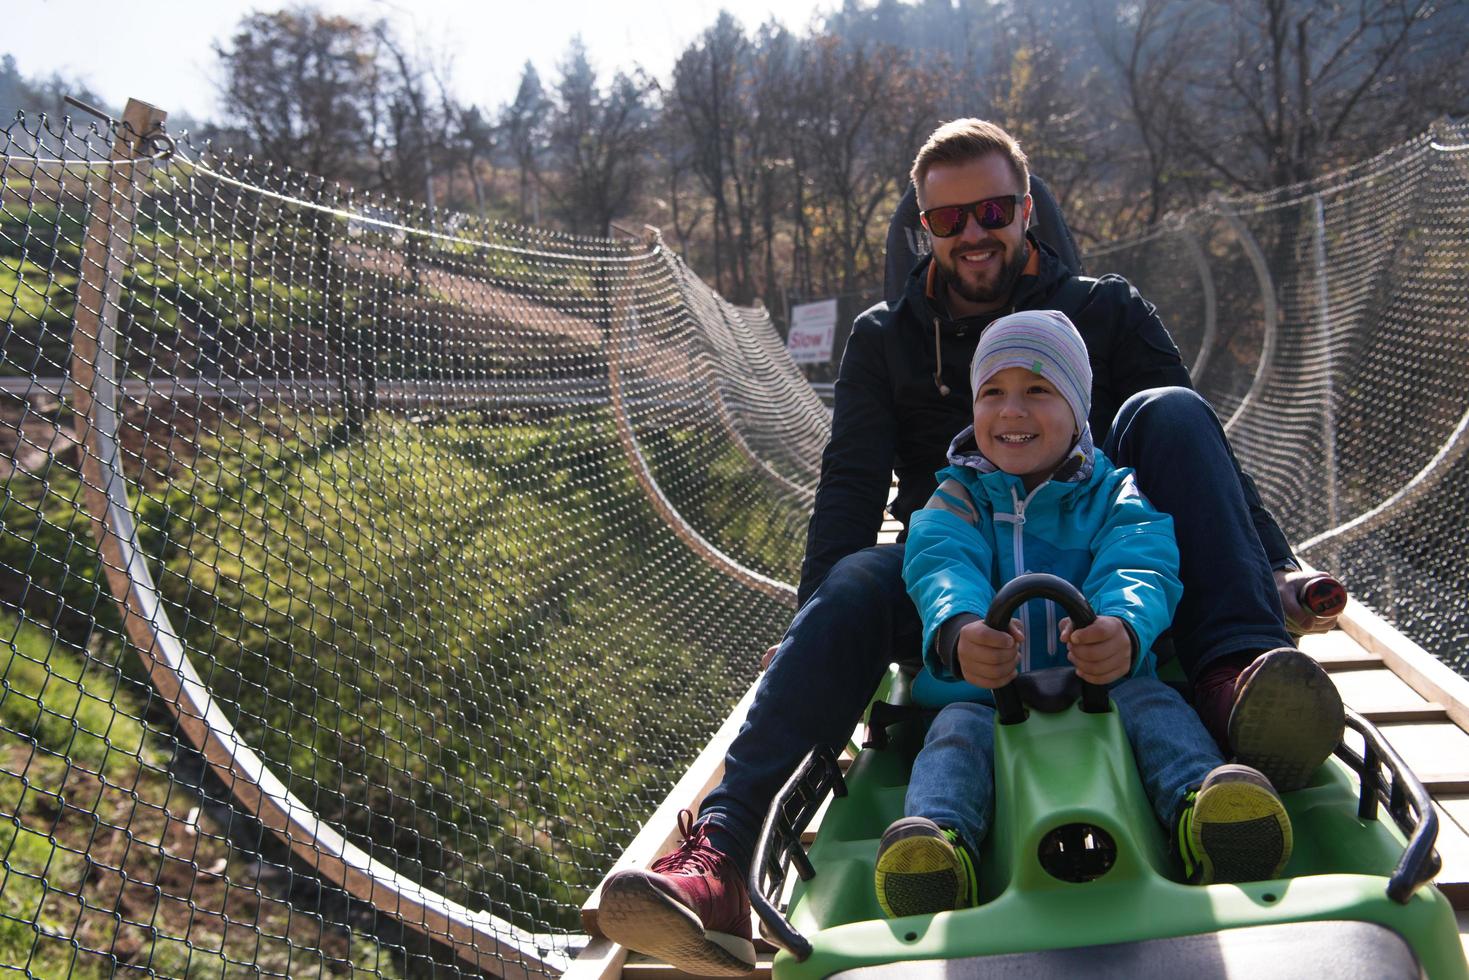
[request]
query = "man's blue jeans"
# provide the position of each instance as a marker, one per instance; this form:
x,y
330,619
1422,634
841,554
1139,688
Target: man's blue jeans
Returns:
x,y
860,619
953,781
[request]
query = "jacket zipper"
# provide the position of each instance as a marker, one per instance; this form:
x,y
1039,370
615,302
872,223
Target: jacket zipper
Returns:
x,y
1051,630
1017,521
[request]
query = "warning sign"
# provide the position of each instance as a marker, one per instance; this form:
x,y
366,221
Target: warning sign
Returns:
x,y
813,329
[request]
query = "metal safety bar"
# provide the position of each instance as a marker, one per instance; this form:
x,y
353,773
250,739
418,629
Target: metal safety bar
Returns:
x,y
779,848
1407,802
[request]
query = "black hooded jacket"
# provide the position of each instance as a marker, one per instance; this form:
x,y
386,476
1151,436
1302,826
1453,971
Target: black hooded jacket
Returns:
x,y
890,416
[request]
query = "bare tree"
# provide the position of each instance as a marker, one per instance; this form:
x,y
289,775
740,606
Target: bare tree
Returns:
x,y
774,75
777,157
866,113
301,86
781,89
477,140
1151,52
598,144
1038,88
674,162
1291,88
31,95
416,121
736,102
524,123
711,104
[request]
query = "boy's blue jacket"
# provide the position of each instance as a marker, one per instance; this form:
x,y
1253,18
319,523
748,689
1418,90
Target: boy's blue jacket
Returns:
x,y
1088,524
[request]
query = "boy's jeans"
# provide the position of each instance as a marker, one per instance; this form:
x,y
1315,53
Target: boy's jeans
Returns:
x,y
860,619
953,781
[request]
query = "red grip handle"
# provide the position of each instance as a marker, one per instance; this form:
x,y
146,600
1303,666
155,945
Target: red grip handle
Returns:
x,y
1323,595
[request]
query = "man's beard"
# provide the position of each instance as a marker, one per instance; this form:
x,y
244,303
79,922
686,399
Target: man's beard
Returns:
x,y
996,291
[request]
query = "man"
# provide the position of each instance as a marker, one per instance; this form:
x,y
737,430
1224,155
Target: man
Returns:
x,y
901,396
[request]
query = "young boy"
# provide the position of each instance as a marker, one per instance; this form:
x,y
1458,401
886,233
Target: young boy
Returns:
x,y
1028,492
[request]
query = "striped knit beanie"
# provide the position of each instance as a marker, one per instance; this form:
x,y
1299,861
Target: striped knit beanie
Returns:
x,y
1042,341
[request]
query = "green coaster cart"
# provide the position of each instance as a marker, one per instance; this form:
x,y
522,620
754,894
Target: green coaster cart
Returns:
x,y
1076,878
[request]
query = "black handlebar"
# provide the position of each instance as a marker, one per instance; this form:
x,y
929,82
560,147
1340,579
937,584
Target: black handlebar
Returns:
x,y
1020,590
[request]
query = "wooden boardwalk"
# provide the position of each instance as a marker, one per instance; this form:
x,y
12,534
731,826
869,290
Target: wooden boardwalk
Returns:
x,y
1420,705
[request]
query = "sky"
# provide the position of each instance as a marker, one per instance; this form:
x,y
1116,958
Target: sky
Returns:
x,y
161,51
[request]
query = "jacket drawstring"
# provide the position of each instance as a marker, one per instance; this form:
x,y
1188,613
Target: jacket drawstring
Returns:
x,y
938,361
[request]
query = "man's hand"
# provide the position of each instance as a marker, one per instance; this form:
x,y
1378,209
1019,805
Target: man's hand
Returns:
x,y
1101,652
768,656
1299,619
988,658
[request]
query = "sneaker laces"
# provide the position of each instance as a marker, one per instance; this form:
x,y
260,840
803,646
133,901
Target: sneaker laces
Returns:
x,y
695,855
1185,846
966,867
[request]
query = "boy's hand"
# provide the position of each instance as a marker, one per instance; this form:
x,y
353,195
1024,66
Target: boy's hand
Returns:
x,y
988,658
1101,652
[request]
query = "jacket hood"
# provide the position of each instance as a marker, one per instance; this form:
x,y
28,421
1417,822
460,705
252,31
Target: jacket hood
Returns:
x,y
1075,468
915,293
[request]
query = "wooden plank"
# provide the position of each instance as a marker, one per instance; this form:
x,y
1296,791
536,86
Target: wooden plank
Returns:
x,y
891,528
808,836
1425,713
1453,848
1447,786
1338,651
1365,682
888,533
1438,753
661,829
1419,669
1362,660
1382,697
640,967
602,959
1456,805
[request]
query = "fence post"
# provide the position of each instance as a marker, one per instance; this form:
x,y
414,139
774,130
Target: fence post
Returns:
x,y
93,368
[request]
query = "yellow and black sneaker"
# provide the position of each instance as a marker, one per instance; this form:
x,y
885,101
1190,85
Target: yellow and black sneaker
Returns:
x,y
1234,828
923,868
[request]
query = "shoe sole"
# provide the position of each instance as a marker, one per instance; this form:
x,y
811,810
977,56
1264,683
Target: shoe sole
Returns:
x,y
916,873
1240,831
1286,719
637,915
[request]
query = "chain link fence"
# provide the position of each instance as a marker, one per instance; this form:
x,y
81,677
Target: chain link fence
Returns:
x,y
1328,323
368,574
445,547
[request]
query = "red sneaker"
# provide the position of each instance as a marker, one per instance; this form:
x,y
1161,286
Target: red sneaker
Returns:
x,y
690,909
1214,695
